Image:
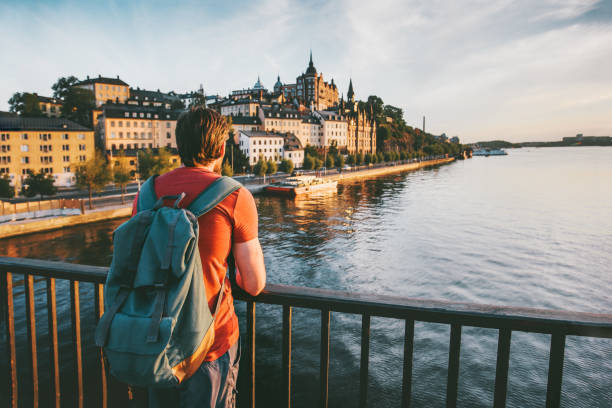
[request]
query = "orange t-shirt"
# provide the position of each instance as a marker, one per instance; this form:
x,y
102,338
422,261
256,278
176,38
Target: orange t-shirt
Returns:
x,y
233,220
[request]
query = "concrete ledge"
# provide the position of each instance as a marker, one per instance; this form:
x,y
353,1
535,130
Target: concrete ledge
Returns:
x,y
47,224
378,171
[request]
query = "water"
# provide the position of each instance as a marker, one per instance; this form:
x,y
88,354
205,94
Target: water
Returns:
x,y
533,228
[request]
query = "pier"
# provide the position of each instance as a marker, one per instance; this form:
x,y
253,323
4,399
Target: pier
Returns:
x,y
557,324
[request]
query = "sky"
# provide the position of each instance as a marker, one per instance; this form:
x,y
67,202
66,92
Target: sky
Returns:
x,y
521,70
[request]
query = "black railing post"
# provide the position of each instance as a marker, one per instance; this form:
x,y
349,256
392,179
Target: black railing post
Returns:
x,y
54,373
287,312
76,340
250,315
453,365
365,357
31,329
325,318
407,369
555,370
10,339
501,371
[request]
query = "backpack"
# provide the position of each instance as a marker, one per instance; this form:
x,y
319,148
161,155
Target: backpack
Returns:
x,y
157,327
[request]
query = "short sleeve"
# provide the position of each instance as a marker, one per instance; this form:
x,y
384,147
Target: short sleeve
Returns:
x,y
245,217
135,205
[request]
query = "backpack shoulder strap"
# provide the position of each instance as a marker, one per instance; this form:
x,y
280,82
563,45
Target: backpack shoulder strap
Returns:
x,y
147,197
213,195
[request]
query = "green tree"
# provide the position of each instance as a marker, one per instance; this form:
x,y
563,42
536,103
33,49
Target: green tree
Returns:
x,y
62,86
93,175
150,162
286,166
329,161
234,156
309,162
78,104
352,159
272,167
261,166
121,174
376,105
318,163
367,158
360,158
380,157
25,104
39,183
311,151
340,161
226,169
6,190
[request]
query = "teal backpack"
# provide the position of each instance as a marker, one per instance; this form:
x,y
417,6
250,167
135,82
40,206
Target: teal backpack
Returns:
x,y
157,327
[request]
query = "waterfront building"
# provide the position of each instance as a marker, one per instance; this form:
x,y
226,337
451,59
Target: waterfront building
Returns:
x,y
131,126
51,145
254,144
239,123
106,89
334,128
361,128
311,89
239,107
293,150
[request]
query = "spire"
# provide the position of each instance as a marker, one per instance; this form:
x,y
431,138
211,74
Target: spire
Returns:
x,y
350,94
310,57
311,68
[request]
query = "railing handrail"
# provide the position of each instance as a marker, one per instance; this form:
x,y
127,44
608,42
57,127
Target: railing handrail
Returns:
x,y
426,310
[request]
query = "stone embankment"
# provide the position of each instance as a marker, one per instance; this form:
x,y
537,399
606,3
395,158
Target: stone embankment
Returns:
x,y
11,229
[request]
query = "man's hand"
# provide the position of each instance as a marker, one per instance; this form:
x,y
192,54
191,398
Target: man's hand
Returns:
x,y
250,268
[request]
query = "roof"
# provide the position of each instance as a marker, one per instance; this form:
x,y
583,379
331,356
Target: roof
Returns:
x,y
47,99
50,124
102,80
246,120
117,111
143,94
260,133
331,116
5,114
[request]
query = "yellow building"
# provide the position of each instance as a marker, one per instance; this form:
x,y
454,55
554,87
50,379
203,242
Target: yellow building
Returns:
x,y
131,126
51,107
50,145
106,89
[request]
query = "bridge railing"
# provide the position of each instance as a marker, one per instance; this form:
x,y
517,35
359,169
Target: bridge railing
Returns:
x,y
558,324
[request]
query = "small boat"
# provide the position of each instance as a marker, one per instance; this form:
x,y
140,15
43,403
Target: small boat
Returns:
x,y
300,185
489,152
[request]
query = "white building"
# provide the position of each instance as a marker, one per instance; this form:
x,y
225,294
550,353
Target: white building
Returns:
x,y
268,145
334,128
241,107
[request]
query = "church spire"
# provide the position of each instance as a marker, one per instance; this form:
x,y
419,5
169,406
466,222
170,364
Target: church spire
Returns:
x,y
350,94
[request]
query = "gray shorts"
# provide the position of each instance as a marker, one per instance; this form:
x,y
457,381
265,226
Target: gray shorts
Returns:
x,y
213,385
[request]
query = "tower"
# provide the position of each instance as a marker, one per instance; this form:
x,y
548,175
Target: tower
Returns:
x,y
350,94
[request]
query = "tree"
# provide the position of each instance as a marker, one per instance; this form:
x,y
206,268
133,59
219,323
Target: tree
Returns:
x,y
367,158
39,183
340,161
6,190
376,105
226,169
121,173
25,104
272,167
286,166
62,86
150,163
309,162
329,161
78,104
318,163
352,159
360,158
261,166
94,174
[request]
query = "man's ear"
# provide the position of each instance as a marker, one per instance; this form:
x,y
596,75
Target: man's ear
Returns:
x,y
223,150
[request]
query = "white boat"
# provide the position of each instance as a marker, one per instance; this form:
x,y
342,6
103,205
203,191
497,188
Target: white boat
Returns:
x,y
489,152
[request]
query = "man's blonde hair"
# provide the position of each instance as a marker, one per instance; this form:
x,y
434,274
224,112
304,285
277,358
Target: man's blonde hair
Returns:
x,y
200,135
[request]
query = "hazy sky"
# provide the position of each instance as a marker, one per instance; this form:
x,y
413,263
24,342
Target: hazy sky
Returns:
x,y
479,69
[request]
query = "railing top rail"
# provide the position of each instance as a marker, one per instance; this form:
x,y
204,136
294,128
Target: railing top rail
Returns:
x,y
427,310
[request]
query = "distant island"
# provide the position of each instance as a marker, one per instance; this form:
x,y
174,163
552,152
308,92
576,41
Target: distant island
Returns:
x,y
578,140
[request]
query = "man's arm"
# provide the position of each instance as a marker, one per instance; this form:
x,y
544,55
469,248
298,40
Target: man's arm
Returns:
x,y
250,268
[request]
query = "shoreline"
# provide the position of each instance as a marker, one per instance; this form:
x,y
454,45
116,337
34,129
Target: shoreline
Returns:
x,y
48,224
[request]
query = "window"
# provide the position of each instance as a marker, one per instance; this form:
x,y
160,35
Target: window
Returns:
x,y
82,147
167,125
120,123
112,123
25,160
80,136
149,124
6,148
66,158
5,136
65,147
82,158
129,146
24,136
128,134
168,135
67,169
127,115
127,124
134,114
25,148
120,135
113,135
141,115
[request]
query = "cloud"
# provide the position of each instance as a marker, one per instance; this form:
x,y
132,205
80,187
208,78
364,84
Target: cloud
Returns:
x,y
476,68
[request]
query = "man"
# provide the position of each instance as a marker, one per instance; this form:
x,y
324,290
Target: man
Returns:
x,y
232,225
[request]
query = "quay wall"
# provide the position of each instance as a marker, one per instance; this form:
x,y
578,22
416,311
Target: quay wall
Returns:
x,y
379,171
47,224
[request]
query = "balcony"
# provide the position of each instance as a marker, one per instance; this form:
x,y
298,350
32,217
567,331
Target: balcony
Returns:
x,y
557,324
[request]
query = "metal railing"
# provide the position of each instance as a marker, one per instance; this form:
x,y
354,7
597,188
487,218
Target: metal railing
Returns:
x,y
558,324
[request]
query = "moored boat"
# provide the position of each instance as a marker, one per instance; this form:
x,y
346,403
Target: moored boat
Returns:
x,y
300,185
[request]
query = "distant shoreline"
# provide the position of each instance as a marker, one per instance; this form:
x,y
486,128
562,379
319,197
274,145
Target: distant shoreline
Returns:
x,y
599,141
